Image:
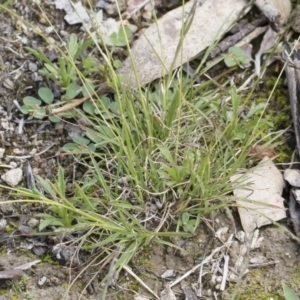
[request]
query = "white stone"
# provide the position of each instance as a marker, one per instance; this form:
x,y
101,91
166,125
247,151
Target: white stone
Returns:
x,y
42,281
3,224
13,177
13,164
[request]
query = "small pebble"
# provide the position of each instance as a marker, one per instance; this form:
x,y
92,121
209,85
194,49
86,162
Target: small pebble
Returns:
x,y
13,164
17,151
33,152
42,281
13,177
3,224
33,223
168,274
32,67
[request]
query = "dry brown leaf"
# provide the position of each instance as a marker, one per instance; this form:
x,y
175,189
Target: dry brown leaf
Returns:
x,y
155,51
260,151
264,186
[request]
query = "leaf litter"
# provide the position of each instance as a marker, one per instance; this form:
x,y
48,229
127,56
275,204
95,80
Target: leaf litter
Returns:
x,y
260,201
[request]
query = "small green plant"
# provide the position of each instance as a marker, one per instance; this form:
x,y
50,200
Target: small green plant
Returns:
x,y
20,287
33,106
40,109
236,57
65,71
120,38
63,215
186,223
80,145
289,294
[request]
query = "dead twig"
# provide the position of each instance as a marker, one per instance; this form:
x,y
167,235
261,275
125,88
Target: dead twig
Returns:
x,y
29,156
233,39
265,264
206,260
103,89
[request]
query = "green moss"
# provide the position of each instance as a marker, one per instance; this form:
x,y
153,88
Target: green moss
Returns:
x,y
48,259
254,287
277,113
134,286
142,258
120,297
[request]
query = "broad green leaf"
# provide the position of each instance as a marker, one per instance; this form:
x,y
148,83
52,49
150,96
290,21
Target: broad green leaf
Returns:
x,y
80,140
72,91
114,107
88,62
70,147
46,95
54,119
105,101
94,135
117,63
73,45
32,101
189,227
40,114
88,89
289,294
236,56
119,38
25,109
230,61
89,107
92,147
185,217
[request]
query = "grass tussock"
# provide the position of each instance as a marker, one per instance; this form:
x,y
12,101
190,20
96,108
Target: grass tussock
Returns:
x,y
162,152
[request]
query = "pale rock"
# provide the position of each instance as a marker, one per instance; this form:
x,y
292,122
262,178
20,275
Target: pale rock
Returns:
x,y
292,176
3,224
13,177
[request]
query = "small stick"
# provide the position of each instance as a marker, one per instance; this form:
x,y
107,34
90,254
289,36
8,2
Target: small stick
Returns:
x,y
103,89
233,39
269,263
28,265
69,105
206,260
128,270
29,156
225,272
